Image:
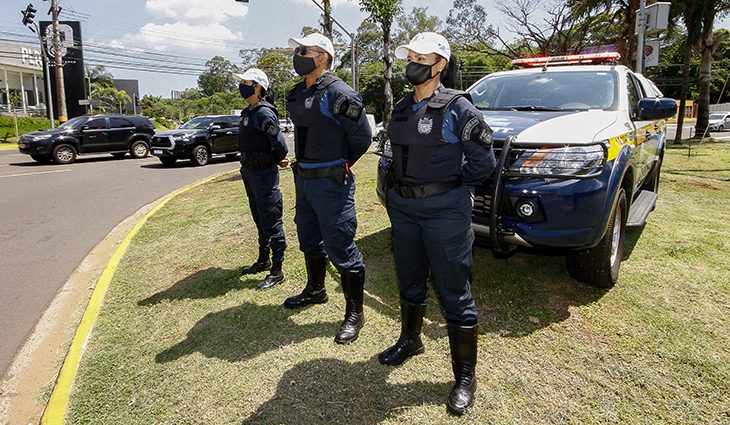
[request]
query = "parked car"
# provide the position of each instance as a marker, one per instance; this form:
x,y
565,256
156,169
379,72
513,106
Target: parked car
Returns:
x,y
198,140
286,125
579,151
719,121
117,134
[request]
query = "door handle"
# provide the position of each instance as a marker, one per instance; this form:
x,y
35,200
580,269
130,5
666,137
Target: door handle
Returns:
x,y
229,132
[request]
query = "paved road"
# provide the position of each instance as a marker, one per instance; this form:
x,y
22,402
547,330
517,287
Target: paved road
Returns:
x,y
689,131
51,216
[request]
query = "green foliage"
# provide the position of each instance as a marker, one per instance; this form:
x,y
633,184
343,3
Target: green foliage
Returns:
x,y
218,77
100,76
25,125
112,100
372,86
417,21
173,112
383,12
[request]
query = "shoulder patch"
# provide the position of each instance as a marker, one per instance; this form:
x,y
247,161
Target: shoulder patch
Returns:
x,y
347,107
270,127
477,131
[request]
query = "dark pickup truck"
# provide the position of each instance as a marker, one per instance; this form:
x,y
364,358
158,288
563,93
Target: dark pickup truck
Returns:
x,y
198,140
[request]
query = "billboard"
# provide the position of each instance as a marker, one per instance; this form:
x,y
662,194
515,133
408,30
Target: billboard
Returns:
x,y
73,65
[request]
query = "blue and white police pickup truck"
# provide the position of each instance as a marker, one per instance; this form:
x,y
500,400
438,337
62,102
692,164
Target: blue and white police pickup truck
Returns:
x,y
579,142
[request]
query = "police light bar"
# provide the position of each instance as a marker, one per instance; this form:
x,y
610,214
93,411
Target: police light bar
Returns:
x,y
584,59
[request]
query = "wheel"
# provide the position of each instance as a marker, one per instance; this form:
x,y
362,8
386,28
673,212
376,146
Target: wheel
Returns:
x,y
231,156
64,154
200,155
119,154
139,149
721,128
41,159
168,161
599,266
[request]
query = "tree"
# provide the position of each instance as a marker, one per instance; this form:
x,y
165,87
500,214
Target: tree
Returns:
x,y
218,76
623,17
99,75
708,44
383,12
417,21
372,86
110,99
468,30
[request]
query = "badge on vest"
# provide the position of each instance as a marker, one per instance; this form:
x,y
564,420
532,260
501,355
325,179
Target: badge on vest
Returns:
x,y
308,102
245,122
425,125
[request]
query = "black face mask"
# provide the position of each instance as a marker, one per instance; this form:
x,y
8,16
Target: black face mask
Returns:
x,y
246,91
304,65
418,73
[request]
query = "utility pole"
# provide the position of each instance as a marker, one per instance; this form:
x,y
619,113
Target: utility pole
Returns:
x,y
58,60
352,35
641,24
327,19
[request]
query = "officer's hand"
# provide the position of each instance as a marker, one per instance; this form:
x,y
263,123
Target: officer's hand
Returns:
x,y
284,163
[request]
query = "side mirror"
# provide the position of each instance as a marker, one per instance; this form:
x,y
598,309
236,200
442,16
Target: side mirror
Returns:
x,y
215,127
654,108
84,127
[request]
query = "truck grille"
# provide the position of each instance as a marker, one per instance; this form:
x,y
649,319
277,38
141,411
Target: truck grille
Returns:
x,y
482,203
162,142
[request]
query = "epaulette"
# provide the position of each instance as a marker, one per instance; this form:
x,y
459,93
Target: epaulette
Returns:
x,y
445,96
325,82
266,104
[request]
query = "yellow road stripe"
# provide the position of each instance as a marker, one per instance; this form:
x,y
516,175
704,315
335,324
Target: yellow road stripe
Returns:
x,y
55,411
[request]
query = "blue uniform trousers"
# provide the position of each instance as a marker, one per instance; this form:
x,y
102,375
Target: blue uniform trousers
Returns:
x,y
264,198
433,236
326,220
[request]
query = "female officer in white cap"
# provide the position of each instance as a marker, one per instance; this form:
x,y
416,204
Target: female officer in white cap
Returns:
x,y
440,146
262,148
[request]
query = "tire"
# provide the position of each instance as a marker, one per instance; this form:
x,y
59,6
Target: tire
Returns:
x,y
139,149
168,161
200,156
231,156
41,159
64,154
119,154
599,266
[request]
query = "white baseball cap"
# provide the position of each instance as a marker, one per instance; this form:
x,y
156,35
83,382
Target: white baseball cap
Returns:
x,y
424,43
256,75
314,40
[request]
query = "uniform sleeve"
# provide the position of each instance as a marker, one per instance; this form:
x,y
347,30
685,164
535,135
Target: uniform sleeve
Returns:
x,y
479,161
268,122
348,109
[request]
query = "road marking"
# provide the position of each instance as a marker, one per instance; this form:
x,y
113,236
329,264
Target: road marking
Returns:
x,y
33,174
55,412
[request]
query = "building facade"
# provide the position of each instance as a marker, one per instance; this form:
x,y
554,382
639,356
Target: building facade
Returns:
x,y
21,79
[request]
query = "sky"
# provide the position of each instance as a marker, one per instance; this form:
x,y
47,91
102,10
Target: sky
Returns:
x,y
180,35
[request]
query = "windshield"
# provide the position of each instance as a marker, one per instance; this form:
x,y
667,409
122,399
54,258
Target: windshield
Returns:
x,y
717,116
546,91
199,122
73,123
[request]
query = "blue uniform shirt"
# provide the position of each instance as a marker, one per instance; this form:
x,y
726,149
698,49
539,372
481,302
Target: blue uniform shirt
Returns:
x,y
359,133
278,143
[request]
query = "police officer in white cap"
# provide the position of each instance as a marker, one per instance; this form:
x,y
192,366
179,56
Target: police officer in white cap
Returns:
x,y
262,148
441,145
331,134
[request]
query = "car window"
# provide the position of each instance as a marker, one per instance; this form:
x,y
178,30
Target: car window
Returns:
x,y
116,122
96,124
564,90
634,97
222,123
234,121
198,122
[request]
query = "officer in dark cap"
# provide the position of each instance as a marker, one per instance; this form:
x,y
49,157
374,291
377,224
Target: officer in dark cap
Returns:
x,y
441,145
262,148
331,134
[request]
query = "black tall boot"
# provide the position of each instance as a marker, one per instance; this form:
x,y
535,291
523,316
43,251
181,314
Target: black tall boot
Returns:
x,y
275,277
463,343
314,292
409,344
353,284
262,264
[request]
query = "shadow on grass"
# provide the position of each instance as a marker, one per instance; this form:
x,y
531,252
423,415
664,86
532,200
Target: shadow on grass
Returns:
x,y
335,391
243,332
208,283
515,297
632,238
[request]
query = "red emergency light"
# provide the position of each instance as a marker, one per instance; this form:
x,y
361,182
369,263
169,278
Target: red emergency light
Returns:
x,y
584,59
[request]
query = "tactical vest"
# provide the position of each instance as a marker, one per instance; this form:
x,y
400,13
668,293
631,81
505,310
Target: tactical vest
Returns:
x,y
251,139
420,154
317,138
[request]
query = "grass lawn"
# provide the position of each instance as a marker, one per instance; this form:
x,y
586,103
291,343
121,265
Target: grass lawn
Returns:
x,y
182,340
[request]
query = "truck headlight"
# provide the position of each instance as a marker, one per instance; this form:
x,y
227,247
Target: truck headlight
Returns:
x,y
568,161
39,138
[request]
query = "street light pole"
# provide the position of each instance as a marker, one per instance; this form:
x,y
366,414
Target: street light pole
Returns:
x,y
58,59
641,24
352,36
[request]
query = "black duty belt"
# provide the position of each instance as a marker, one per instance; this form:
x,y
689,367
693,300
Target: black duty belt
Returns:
x,y
337,173
258,162
424,190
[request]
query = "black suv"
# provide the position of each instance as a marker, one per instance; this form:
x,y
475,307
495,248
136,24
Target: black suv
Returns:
x,y
117,134
198,139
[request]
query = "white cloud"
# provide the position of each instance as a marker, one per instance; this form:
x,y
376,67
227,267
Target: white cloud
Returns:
x,y
193,12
